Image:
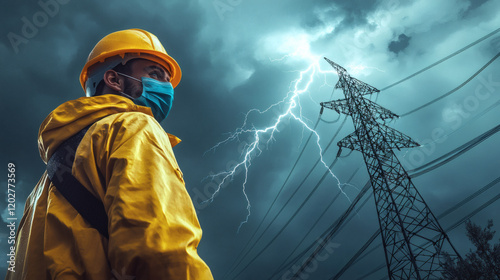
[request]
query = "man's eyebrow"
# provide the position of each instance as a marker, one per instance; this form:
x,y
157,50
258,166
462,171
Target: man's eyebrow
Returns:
x,y
154,67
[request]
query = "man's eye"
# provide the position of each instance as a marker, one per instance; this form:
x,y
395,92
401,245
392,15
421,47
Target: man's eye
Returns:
x,y
154,75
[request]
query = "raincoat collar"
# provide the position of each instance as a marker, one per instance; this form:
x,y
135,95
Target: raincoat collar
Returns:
x,y
72,116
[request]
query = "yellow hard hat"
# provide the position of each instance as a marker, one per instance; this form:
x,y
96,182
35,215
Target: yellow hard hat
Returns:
x,y
131,41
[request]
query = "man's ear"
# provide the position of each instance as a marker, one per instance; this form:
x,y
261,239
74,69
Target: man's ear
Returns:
x,y
114,81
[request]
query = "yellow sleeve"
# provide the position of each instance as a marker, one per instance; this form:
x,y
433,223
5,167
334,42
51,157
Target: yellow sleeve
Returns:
x,y
153,228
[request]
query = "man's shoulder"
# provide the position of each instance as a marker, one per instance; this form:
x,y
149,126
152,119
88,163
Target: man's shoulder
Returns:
x,y
128,120
133,125
127,124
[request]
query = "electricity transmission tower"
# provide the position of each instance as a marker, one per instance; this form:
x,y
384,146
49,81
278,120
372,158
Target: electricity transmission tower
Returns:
x,y
412,237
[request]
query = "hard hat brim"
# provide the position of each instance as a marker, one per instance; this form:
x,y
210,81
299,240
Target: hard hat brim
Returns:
x,y
165,60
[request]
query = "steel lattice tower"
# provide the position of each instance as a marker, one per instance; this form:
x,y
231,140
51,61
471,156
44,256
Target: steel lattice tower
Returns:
x,y
412,237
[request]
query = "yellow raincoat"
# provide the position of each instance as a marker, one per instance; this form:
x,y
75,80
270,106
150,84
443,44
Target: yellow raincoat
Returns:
x,y
125,160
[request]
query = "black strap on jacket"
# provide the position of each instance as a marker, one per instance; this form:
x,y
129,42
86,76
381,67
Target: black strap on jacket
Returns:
x,y
59,171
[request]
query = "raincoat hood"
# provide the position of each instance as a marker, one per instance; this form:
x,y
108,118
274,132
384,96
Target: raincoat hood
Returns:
x,y
73,116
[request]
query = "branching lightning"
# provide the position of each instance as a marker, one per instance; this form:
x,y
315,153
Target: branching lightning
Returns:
x,y
293,111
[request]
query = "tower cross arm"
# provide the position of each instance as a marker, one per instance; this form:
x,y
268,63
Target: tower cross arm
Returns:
x,y
351,141
396,139
340,106
344,106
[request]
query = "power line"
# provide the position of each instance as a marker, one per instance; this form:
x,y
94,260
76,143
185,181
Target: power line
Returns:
x,y
400,207
453,90
314,225
477,210
424,69
276,197
353,258
335,228
371,272
435,100
434,64
492,106
289,220
455,225
482,113
444,59
472,77
290,198
339,224
466,146
356,257
416,175
425,171
470,197
464,201
330,122
453,154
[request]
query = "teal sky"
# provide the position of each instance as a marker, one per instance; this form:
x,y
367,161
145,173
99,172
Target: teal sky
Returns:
x,y
239,55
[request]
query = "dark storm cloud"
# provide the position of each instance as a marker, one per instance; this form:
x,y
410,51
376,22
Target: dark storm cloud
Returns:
x,y
231,63
475,4
354,13
400,44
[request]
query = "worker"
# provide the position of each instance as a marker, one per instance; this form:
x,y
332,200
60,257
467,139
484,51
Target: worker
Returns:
x,y
125,162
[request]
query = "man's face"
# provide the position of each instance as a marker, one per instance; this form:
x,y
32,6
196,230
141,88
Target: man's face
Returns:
x,y
144,68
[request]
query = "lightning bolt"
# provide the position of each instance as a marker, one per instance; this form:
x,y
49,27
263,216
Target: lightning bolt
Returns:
x,y
293,111
355,69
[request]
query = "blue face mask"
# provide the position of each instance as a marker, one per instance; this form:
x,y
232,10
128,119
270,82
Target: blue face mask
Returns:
x,y
156,95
